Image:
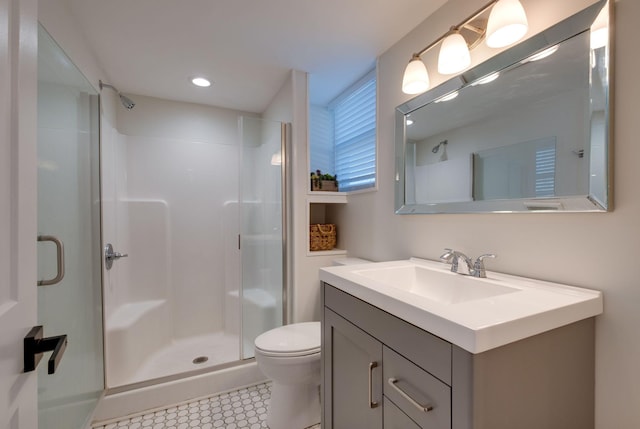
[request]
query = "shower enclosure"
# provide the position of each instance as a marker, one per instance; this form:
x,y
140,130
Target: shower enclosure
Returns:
x,y
193,196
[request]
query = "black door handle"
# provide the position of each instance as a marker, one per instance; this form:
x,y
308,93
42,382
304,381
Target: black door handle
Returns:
x,y
35,346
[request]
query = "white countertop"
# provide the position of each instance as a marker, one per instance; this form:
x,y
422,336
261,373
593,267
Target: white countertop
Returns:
x,y
478,324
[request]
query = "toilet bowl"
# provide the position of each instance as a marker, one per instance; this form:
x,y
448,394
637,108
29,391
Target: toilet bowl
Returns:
x,y
290,357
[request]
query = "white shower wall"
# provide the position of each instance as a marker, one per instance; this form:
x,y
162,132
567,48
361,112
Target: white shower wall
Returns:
x,y
170,190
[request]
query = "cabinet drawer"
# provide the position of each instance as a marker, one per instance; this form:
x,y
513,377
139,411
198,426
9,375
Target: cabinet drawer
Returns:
x,y
431,353
424,389
396,419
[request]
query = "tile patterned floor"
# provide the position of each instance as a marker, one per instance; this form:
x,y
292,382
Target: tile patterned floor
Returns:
x,y
245,408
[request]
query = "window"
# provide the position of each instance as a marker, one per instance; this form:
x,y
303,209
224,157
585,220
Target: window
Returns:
x,y
343,136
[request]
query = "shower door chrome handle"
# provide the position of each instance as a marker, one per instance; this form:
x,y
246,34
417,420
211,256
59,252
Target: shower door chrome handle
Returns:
x,y
60,260
110,256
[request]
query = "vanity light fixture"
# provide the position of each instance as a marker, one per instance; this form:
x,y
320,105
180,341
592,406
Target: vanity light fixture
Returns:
x,y
201,82
507,23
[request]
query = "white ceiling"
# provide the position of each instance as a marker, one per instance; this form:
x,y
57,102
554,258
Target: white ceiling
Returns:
x,y
247,47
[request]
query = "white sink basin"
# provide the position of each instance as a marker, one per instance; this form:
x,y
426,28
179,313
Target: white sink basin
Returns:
x,y
475,314
443,287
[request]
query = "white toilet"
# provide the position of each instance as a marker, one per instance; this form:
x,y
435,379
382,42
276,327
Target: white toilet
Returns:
x,y
290,357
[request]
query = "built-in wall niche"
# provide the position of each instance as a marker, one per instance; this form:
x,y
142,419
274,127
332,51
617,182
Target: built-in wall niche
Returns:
x,y
322,213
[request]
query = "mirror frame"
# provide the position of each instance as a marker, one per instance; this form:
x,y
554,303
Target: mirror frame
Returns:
x,y
566,29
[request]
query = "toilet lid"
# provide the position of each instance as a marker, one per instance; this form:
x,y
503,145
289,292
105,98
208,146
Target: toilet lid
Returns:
x,y
291,340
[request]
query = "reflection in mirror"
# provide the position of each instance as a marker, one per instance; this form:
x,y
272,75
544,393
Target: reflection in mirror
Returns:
x,y
525,131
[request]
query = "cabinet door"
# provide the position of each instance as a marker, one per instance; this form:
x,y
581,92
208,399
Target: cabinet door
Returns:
x,y
352,363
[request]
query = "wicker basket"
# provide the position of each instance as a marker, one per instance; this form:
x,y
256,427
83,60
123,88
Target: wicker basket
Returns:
x,y
322,236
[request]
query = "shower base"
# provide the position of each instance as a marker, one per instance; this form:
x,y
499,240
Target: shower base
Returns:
x,y
178,356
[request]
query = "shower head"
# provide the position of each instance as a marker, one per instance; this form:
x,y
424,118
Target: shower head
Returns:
x,y
126,101
437,147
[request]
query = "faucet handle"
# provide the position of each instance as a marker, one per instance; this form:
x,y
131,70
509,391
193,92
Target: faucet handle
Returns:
x,y
447,256
478,266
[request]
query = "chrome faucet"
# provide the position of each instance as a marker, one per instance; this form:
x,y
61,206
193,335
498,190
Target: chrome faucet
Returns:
x,y
478,266
462,264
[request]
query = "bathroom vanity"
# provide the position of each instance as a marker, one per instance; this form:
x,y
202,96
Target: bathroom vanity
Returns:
x,y
394,358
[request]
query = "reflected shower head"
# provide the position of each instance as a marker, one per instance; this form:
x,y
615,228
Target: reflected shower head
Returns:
x,y
126,101
437,147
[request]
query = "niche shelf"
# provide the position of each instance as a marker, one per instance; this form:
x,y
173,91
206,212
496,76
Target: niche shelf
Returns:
x,y
323,208
327,197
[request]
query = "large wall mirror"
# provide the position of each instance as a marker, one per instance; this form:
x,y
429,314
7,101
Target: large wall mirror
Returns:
x,y
527,130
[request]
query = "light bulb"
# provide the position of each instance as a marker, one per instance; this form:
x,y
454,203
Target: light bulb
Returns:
x,y
507,24
416,77
454,54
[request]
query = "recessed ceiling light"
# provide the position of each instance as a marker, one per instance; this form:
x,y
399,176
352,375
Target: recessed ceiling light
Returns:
x,y
200,81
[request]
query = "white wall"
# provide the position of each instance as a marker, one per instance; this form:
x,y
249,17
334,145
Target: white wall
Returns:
x,y
181,168
597,251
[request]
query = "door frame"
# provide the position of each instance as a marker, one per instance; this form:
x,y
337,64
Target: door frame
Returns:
x,y
18,208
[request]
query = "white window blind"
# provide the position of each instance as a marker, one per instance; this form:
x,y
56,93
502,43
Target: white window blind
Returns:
x,y
355,136
321,145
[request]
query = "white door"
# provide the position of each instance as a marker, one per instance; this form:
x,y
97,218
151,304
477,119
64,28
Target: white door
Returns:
x,y
18,211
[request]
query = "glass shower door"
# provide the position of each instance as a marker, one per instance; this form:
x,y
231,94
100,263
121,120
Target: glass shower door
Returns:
x,y
69,209
262,237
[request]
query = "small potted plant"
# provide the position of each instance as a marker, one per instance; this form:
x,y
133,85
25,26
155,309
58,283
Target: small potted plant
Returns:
x,y
323,182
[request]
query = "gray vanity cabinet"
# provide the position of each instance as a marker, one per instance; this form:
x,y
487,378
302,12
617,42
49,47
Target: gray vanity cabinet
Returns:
x,y
380,371
356,375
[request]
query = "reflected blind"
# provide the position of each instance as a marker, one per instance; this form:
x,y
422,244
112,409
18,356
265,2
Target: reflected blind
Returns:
x,y
546,172
355,137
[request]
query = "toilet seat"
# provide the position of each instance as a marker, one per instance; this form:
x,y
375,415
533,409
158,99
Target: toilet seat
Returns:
x,y
298,339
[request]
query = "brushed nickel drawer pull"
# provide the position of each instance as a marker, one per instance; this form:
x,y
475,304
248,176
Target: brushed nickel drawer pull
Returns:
x,y
372,403
424,408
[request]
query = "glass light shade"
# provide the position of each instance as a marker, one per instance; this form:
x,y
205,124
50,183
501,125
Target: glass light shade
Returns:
x,y
416,77
454,54
507,24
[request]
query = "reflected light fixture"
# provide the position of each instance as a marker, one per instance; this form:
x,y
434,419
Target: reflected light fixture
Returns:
x,y
487,79
447,97
507,23
541,55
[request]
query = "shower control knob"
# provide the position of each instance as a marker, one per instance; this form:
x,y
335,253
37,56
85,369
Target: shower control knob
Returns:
x,y
110,256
